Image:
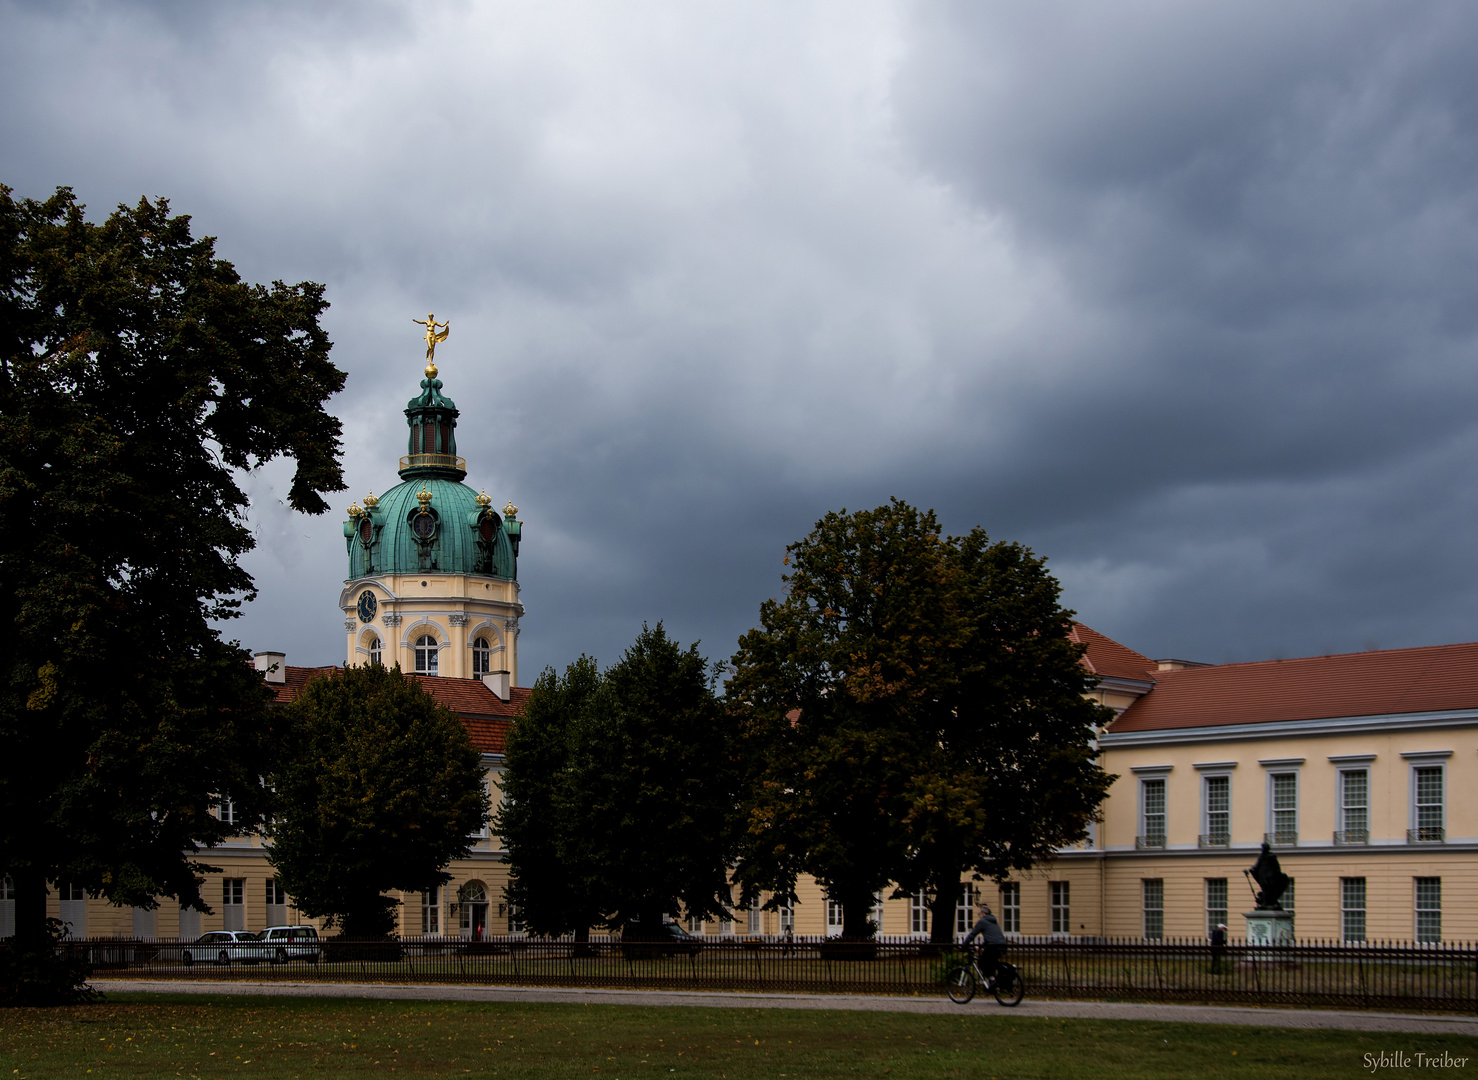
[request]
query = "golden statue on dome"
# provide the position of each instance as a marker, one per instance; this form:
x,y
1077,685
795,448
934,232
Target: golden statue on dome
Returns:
x,y
434,337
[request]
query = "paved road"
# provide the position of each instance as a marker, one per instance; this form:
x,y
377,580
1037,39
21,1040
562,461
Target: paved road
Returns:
x,y
1097,1010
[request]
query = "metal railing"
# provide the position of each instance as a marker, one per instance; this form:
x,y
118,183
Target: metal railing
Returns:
x,y
444,461
1426,834
1148,843
1352,836
1285,838
1215,840
1431,977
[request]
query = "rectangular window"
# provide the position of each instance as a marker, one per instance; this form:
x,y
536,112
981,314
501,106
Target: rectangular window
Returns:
x,y
233,903
1354,806
965,909
1287,900
1153,892
1011,907
1062,920
1216,903
1352,907
726,926
1427,782
276,895
226,812
833,918
876,915
1218,811
755,918
695,924
1152,824
515,919
918,913
1429,909
1285,809
431,911
787,918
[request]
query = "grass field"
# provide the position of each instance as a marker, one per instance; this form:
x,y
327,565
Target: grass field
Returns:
x,y
138,1035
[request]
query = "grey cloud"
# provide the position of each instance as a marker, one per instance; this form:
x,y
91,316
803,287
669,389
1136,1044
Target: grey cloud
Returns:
x,y
1180,296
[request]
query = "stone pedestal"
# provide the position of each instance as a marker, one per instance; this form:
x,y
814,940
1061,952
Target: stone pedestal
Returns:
x,y
1265,927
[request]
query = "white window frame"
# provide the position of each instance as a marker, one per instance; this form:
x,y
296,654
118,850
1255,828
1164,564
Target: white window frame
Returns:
x,y
482,658
1418,911
786,917
835,918
1425,759
376,650
918,914
1346,764
1206,779
876,914
431,914
1152,908
432,657
1011,907
965,908
1345,909
1062,889
1149,774
1216,916
755,917
1273,768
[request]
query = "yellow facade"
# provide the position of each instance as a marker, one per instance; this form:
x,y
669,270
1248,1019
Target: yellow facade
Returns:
x,y
453,609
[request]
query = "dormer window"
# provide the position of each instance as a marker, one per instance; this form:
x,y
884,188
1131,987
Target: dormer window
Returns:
x,y
482,657
426,655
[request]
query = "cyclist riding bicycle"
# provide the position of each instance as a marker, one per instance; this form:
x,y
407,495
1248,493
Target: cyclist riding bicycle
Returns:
x,y
992,943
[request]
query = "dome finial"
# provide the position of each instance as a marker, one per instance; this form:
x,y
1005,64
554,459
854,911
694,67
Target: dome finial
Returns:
x,y
433,337
370,502
510,510
484,500
423,497
354,511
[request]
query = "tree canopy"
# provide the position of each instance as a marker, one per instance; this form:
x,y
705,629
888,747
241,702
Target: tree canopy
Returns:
x,y
916,711
379,789
138,376
624,792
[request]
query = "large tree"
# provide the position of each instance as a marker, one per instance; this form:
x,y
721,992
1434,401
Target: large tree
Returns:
x,y
138,377
554,894
380,788
638,773
918,713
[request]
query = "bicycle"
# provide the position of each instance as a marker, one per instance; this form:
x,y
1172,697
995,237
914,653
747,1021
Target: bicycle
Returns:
x,y
962,981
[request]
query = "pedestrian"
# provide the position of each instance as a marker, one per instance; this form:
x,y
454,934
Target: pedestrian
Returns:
x,y
1218,947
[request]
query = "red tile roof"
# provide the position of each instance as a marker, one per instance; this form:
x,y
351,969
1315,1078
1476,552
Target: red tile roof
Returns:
x,y
1108,658
1431,679
488,718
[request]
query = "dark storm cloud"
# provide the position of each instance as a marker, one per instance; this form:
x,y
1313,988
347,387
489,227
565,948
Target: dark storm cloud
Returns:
x,y
1180,296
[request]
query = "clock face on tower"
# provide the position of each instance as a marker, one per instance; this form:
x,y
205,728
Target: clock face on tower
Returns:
x,y
367,606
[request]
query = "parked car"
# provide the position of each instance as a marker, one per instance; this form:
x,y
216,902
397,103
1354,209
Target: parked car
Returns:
x,y
283,943
223,947
668,939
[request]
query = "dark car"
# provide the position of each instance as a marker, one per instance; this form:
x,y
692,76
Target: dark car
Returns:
x,y
667,939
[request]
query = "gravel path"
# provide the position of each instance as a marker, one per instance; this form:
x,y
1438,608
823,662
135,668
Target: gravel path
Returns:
x,y
1432,1024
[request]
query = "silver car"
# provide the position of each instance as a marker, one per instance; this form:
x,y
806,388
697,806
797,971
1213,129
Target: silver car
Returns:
x,y
283,943
224,947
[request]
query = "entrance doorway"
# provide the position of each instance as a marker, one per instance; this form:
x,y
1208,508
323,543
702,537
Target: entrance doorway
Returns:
x,y
472,902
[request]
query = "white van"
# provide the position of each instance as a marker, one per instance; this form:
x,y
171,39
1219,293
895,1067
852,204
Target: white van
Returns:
x,y
283,943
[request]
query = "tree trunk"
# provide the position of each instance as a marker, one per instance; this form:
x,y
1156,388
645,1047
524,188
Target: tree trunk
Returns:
x,y
856,912
942,909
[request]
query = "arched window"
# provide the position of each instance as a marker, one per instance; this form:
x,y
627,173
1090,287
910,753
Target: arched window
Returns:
x,y
482,658
426,655
375,651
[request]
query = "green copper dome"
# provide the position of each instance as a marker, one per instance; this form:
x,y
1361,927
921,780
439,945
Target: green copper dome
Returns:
x,y
431,523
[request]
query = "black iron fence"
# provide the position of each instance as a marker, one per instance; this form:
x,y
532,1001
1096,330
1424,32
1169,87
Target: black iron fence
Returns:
x,y
1372,975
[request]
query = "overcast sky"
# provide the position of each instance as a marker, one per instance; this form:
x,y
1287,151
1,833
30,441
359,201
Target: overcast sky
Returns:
x,y
1180,295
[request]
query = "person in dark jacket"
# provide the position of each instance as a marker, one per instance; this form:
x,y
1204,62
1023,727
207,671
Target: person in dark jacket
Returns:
x,y
992,943
1218,947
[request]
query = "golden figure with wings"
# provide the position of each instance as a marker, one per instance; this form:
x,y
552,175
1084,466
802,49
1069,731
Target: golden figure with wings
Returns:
x,y
433,338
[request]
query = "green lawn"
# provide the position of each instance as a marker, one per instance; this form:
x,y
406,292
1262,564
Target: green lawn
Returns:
x,y
140,1035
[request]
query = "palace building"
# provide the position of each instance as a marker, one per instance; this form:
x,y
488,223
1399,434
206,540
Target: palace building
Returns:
x,y
1359,770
